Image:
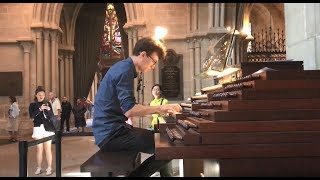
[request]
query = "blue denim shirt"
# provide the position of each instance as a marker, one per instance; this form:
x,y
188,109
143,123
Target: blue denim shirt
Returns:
x,y
114,98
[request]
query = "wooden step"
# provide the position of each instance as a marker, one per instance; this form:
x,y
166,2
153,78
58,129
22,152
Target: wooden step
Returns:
x,y
191,137
289,75
207,126
281,84
253,115
263,115
260,137
268,104
165,149
252,94
276,75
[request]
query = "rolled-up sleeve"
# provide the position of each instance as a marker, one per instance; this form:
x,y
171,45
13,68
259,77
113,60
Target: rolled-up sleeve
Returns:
x,y
125,91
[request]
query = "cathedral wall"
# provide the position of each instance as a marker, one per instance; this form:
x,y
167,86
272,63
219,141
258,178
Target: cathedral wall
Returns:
x,y
302,33
15,20
172,16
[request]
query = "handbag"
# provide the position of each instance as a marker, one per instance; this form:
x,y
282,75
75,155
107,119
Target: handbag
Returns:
x,y
48,123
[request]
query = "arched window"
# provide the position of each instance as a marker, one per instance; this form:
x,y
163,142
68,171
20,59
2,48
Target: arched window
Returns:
x,y
111,39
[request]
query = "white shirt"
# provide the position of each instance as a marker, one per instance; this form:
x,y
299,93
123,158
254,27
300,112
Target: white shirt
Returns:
x,y
55,106
14,110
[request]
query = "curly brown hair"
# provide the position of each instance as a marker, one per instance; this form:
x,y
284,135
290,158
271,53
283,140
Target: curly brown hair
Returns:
x,y
149,45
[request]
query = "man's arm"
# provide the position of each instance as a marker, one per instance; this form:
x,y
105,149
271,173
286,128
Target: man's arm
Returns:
x,y
141,110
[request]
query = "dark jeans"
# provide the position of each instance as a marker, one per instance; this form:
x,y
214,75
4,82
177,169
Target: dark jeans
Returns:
x,y
56,122
65,118
139,140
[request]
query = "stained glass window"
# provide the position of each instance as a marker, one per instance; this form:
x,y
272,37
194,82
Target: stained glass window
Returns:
x,y
111,39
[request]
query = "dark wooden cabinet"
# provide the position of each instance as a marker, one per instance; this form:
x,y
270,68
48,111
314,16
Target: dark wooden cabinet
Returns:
x,y
268,125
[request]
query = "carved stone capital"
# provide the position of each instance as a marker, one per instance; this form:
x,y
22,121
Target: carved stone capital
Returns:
x,y
197,44
26,45
191,44
46,34
54,35
38,32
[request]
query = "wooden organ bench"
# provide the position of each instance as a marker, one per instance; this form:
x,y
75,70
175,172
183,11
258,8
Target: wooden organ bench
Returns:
x,y
110,164
265,124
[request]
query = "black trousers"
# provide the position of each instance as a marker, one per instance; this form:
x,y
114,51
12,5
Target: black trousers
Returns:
x,y
139,140
65,118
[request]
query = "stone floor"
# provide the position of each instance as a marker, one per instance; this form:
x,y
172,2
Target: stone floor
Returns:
x,y
75,151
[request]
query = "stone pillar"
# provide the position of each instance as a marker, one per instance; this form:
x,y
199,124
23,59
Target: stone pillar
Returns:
x,y
95,87
26,71
198,64
54,62
46,61
71,98
192,68
134,36
130,45
210,18
222,8
195,16
61,75
67,76
39,57
216,15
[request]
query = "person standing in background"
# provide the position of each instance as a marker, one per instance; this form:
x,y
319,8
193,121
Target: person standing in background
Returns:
x,y
39,110
78,111
65,114
158,100
56,109
13,113
89,109
156,91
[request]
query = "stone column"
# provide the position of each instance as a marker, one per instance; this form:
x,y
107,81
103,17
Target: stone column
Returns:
x,y
222,7
54,62
192,68
216,15
134,36
60,61
195,16
46,61
71,78
130,36
26,70
39,57
198,64
210,18
67,75
61,75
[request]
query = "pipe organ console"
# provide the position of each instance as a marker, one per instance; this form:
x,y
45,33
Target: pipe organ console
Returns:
x,y
261,124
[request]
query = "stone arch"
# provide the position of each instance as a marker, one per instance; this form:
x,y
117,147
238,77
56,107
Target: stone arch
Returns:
x,y
134,12
265,15
46,15
75,14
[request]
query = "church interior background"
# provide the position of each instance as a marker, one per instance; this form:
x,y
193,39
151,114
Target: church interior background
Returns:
x,y
68,47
